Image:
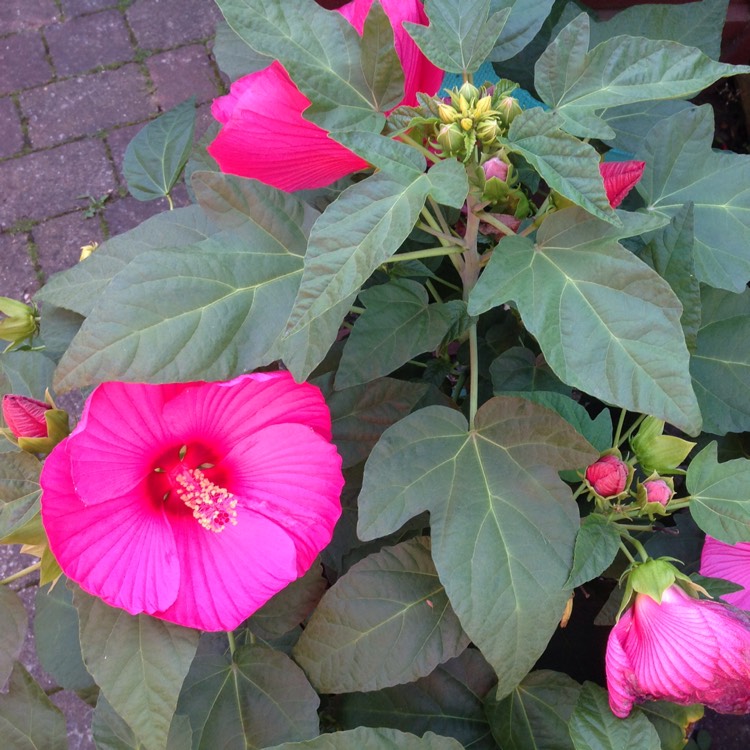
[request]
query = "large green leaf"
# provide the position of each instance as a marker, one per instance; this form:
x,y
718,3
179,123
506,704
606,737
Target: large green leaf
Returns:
x,y
19,490
156,156
525,20
682,167
577,83
447,702
380,63
138,662
670,254
631,122
109,730
357,233
720,365
518,369
366,738
79,288
385,622
233,55
673,723
573,290
397,325
203,312
254,699
593,726
503,523
597,544
13,624
719,500
386,154
58,644
568,165
461,35
535,715
28,719
321,52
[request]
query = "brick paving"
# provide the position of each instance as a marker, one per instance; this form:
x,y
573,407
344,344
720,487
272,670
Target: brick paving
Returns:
x,y
78,79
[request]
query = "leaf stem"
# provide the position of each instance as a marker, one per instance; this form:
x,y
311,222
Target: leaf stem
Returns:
x,y
434,292
492,221
432,252
21,573
632,428
232,642
434,158
620,425
169,200
473,374
626,552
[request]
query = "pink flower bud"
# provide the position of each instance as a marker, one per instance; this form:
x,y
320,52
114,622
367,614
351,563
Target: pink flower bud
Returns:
x,y
658,491
25,416
608,476
683,650
495,167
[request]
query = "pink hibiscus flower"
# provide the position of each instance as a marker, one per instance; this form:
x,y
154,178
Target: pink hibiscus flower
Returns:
x,y
683,650
731,562
194,502
620,177
277,145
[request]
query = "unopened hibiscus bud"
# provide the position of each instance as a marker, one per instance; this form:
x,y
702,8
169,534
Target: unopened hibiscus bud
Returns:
x,y
658,452
451,139
20,321
608,477
658,491
495,167
509,109
483,106
469,92
447,114
488,131
35,426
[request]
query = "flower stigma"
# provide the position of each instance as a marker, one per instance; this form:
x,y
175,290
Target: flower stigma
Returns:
x,y
213,506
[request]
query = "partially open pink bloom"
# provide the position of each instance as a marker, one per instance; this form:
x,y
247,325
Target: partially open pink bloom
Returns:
x,y
731,562
495,167
683,650
620,177
658,491
25,416
194,502
264,133
608,476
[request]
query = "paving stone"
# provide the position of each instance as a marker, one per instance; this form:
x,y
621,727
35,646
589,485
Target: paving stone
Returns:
x,y
105,41
78,716
118,141
74,8
58,241
19,15
22,61
17,276
157,24
182,73
48,183
10,126
85,105
125,213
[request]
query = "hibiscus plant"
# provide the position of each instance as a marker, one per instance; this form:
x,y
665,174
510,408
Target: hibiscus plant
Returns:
x,y
436,388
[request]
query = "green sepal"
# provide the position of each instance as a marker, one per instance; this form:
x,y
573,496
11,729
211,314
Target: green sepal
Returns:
x,y
657,452
58,428
652,509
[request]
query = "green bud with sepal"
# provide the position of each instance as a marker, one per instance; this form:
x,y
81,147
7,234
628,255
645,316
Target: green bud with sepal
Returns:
x,y
657,452
654,494
21,322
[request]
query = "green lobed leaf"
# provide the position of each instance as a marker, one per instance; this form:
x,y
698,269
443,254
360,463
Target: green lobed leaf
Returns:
x,y
388,155
28,719
670,254
357,233
234,56
519,369
156,156
719,500
593,726
525,20
321,52
397,325
631,122
255,699
138,662
627,315
673,723
109,730
577,83
720,365
80,287
566,164
19,490
361,414
597,543
203,312
25,373
380,63
366,738
386,621
536,714
58,644
13,624
503,523
447,702
681,167
460,36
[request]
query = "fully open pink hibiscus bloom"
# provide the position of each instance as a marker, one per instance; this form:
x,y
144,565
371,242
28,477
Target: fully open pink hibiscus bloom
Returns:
x,y
266,137
194,502
683,650
731,562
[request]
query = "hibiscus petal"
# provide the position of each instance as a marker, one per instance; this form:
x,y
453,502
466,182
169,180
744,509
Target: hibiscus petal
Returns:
x,y
265,136
731,562
230,574
620,675
619,178
121,550
292,476
419,73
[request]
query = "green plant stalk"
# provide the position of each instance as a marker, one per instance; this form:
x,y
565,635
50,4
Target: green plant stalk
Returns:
x,y
21,573
432,252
